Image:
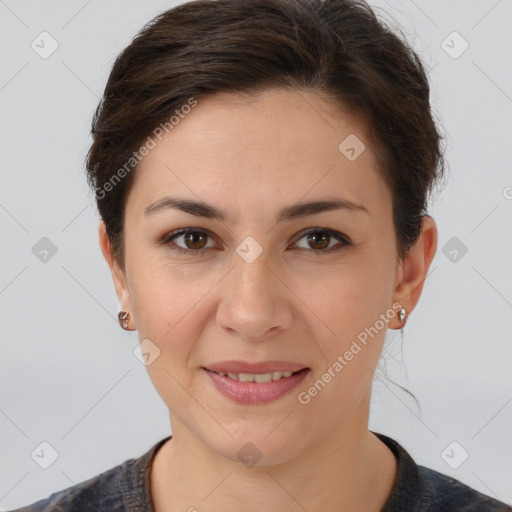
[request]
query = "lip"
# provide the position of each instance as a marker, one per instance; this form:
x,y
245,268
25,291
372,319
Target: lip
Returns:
x,y
238,366
254,393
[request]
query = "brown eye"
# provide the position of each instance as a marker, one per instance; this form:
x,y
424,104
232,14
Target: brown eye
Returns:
x,y
191,241
195,240
319,239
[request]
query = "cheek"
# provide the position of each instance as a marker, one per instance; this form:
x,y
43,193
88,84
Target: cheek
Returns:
x,y
169,302
351,304
169,309
352,345
351,297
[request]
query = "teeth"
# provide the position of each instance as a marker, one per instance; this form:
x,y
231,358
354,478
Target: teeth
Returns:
x,y
256,377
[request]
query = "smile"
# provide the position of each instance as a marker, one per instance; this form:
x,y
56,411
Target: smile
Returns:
x,y
257,377
256,388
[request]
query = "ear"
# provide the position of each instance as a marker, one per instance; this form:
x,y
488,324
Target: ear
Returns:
x,y
118,275
412,272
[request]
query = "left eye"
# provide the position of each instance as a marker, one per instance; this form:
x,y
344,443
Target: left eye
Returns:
x,y
318,239
321,238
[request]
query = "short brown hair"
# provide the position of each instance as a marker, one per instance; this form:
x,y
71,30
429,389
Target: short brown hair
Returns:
x,y
336,47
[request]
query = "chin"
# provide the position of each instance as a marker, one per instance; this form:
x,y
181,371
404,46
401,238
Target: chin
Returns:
x,y
257,448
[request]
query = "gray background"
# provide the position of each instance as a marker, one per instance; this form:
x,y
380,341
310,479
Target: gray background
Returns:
x,y
68,373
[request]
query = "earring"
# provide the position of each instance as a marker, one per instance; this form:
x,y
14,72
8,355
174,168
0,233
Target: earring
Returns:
x,y
402,315
123,317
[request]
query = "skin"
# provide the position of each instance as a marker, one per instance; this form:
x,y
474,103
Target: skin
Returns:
x,y
251,156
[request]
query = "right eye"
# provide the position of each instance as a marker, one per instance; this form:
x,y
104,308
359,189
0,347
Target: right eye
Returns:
x,y
191,236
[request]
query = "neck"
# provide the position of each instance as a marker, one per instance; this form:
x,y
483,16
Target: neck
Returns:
x,y
348,470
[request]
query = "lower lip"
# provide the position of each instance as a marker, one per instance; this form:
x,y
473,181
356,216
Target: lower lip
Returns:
x,y
256,392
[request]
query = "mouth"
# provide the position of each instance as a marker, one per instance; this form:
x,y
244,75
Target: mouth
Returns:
x,y
259,383
238,366
258,377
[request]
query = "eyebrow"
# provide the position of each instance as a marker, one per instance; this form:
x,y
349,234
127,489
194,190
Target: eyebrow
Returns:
x,y
295,211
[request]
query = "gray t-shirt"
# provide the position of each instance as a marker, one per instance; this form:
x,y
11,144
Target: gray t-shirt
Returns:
x,y
126,488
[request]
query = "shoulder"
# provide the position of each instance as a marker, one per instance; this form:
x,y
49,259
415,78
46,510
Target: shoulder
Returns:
x,y
421,489
98,493
452,495
116,490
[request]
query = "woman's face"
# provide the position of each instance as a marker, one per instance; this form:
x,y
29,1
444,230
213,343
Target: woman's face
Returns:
x,y
259,288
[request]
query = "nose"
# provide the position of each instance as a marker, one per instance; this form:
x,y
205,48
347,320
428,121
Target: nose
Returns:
x,y
256,303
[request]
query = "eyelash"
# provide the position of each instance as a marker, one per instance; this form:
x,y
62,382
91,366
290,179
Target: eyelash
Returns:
x,y
345,241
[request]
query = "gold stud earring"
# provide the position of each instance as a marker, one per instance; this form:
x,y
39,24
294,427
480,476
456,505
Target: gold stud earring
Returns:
x,y
123,317
402,316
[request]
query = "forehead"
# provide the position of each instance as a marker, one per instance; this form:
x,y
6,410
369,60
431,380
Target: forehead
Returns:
x,y
247,149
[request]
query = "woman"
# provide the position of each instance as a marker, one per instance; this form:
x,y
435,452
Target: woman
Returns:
x,y
262,170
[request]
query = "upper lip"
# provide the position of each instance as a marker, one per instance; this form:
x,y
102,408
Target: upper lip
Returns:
x,y
236,366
